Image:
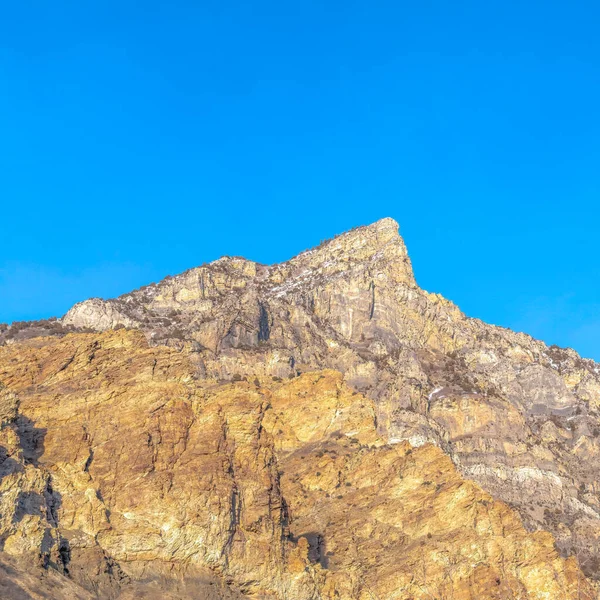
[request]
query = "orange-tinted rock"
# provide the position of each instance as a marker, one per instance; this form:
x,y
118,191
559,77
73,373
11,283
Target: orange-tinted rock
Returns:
x,y
139,477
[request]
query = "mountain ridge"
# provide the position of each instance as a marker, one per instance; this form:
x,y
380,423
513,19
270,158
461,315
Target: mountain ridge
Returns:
x,y
518,418
352,304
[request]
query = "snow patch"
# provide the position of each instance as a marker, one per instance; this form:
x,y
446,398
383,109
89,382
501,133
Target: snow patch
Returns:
x,y
553,364
414,440
516,474
436,394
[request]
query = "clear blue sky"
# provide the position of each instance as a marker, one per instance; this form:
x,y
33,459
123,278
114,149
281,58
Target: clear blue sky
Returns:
x,y
138,139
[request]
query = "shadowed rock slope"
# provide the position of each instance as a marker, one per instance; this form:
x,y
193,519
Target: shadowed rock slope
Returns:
x,y
321,428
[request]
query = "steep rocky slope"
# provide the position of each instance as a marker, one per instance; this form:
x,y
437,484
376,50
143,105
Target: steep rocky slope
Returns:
x,y
129,474
302,430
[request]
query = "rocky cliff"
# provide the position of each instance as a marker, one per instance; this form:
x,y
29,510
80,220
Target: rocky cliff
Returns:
x,y
321,428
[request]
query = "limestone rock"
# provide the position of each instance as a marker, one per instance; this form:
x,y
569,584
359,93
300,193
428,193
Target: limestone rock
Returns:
x,y
160,482
188,450
353,305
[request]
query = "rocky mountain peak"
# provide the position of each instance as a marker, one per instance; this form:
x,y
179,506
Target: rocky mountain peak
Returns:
x,y
378,247
325,388
365,257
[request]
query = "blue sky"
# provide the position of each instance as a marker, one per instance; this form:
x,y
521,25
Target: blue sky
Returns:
x,y
141,139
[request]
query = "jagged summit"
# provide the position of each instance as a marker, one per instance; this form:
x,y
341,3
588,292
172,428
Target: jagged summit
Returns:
x,y
377,247
379,241
369,239
378,233
373,254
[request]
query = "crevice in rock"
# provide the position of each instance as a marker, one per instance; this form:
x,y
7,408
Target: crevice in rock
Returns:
x,y
264,330
372,290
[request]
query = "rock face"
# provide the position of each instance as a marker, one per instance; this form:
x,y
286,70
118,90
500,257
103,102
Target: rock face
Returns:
x,y
321,428
128,474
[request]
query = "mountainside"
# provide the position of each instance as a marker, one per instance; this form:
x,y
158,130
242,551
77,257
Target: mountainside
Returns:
x,y
320,428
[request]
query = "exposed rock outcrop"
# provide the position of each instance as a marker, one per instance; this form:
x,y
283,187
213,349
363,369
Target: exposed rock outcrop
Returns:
x,y
301,430
160,480
520,418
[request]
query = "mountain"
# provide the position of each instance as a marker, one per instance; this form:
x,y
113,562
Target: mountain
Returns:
x,y
319,428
